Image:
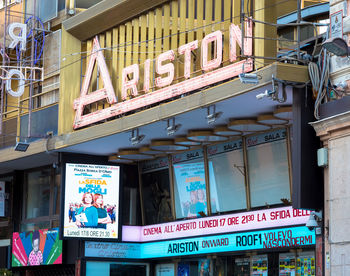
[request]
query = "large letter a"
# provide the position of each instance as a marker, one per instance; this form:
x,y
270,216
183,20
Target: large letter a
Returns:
x,y
107,92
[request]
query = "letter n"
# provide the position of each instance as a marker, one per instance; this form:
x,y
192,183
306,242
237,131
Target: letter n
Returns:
x,y
107,92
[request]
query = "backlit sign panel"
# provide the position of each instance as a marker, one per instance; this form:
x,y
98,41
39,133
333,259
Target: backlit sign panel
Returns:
x,y
253,240
91,201
269,218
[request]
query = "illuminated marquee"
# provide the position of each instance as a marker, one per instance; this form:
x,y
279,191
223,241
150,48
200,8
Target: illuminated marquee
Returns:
x,y
166,90
259,240
254,220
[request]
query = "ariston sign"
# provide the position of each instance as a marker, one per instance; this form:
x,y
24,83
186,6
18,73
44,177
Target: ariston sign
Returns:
x,y
164,69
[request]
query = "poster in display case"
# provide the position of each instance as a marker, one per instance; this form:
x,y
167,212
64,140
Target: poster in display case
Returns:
x,y
287,264
306,264
259,265
242,267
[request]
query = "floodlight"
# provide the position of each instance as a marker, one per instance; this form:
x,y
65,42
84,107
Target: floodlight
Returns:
x,y
172,127
248,78
337,46
21,146
135,137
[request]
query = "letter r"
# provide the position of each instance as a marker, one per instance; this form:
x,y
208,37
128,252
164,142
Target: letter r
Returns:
x,y
22,37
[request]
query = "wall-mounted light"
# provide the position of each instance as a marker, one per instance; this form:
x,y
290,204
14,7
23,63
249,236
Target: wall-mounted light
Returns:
x,y
248,78
21,146
212,115
337,46
135,138
172,127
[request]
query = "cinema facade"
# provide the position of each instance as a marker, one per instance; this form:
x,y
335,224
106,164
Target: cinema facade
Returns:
x,y
159,115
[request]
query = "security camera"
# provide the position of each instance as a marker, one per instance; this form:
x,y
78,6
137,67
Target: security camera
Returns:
x,y
312,221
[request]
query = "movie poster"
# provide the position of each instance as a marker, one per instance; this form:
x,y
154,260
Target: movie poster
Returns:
x,y
190,182
91,205
40,247
204,267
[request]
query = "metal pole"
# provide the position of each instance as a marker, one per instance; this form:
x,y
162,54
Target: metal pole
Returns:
x,y
242,26
3,71
298,28
31,74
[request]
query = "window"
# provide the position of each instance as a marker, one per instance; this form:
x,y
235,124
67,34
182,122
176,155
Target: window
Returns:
x,y
41,204
252,172
156,191
38,194
226,177
189,182
268,168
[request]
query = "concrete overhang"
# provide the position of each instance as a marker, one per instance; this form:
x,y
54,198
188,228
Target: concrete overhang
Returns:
x,y
233,98
105,15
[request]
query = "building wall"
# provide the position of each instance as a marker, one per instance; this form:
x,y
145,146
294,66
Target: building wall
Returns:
x,y
339,204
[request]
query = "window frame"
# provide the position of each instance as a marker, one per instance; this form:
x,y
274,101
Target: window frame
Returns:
x,y
51,218
204,148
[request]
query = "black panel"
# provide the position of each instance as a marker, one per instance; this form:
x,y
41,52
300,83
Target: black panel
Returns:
x,y
307,176
4,250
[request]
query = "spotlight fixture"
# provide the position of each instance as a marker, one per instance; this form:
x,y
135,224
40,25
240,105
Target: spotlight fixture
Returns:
x,y
247,125
248,78
135,138
337,46
172,127
166,145
269,119
21,146
205,136
212,115
133,154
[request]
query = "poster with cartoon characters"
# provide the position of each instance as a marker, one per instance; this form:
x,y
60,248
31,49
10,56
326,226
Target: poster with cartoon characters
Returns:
x,y
40,247
91,205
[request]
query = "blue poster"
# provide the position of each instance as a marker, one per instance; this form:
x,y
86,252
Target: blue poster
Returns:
x,y
190,183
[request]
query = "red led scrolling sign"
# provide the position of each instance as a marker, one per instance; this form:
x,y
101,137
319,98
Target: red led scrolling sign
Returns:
x,y
131,74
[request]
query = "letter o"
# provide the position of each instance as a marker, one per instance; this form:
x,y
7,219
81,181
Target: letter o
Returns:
x,y
20,89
